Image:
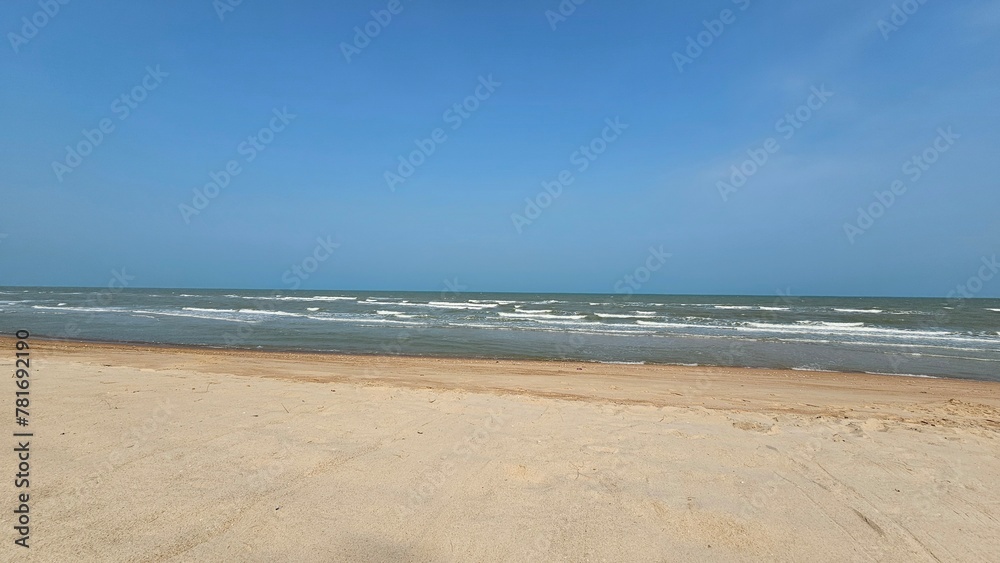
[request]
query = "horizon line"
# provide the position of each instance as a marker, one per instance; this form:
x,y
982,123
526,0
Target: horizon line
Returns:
x,y
776,295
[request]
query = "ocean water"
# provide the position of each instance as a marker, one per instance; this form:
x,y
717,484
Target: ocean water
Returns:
x,y
914,337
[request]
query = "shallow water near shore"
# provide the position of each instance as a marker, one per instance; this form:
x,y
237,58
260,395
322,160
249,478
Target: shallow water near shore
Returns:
x,y
916,337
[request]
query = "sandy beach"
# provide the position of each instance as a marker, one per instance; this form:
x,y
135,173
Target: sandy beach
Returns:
x,y
169,454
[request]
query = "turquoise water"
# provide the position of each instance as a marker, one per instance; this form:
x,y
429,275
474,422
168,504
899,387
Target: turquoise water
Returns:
x,y
921,337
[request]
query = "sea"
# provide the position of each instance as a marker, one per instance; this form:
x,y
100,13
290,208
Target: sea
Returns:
x,y
957,338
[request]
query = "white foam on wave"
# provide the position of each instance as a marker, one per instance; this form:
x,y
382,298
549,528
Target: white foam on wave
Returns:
x,y
82,309
669,325
903,375
750,308
533,311
582,328
395,313
994,310
628,315
363,320
436,305
200,310
925,345
466,305
569,324
541,316
223,314
196,315
858,310
284,298
481,325
825,323
312,309
274,313
813,327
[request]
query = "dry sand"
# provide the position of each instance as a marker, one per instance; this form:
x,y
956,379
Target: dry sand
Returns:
x,y
166,454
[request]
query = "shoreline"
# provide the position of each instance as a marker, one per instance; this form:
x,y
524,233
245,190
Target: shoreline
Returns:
x,y
896,336
639,384
457,358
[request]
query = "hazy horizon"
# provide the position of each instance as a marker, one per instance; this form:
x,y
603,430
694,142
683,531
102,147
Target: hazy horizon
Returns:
x,y
446,290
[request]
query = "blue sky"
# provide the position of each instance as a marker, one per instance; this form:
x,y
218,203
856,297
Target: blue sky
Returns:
x,y
213,82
